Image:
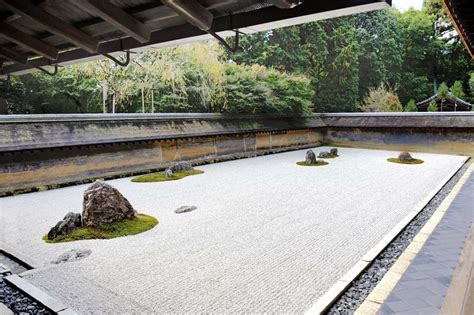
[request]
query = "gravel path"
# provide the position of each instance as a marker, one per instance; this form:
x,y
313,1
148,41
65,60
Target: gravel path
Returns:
x,y
268,235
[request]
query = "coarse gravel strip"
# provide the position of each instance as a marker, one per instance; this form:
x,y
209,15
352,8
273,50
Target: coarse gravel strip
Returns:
x,y
267,235
361,287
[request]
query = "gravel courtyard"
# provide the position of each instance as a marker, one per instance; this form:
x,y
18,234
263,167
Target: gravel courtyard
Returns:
x,y
268,235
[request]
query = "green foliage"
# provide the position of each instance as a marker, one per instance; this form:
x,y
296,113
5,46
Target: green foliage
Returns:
x,y
398,161
457,89
381,99
443,90
471,84
160,177
325,66
411,106
433,107
139,224
256,89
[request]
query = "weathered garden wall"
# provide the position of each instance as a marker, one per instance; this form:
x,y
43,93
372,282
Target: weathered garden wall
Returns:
x,y
37,152
451,133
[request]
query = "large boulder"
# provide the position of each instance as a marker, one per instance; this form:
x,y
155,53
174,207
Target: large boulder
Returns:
x,y
405,157
181,167
310,157
104,204
333,151
68,224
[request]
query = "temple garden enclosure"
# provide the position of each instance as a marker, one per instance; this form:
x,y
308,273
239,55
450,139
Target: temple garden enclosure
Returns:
x,y
267,235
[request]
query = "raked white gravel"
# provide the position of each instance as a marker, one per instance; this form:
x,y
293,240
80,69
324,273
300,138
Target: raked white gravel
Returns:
x,y
268,235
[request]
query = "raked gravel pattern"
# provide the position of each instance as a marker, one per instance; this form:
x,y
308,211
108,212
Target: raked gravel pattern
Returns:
x,y
267,236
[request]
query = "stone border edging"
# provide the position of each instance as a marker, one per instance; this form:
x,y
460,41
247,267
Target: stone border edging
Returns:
x,y
331,296
380,293
38,295
25,261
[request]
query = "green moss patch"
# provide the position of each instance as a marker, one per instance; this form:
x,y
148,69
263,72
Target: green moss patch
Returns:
x,y
318,163
161,177
139,224
396,160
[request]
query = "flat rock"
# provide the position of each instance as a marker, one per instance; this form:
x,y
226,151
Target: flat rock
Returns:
x,y
72,255
185,209
104,204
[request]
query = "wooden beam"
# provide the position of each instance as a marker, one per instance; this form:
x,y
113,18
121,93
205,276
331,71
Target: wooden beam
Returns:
x,y
18,37
53,24
285,4
118,18
12,55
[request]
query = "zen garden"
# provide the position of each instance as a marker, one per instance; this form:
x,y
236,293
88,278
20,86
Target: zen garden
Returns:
x,y
236,157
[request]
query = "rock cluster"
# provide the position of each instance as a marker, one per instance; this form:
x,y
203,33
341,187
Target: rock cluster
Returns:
x,y
68,224
177,168
181,167
310,157
104,204
405,157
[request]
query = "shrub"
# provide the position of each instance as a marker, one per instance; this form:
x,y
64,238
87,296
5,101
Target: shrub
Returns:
x,y
411,106
381,99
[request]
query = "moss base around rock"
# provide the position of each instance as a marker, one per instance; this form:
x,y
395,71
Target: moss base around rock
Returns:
x,y
328,157
396,160
161,177
318,163
139,224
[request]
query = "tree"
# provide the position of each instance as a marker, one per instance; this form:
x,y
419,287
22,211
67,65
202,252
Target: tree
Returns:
x,y
256,89
443,90
433,107
411,106
457,89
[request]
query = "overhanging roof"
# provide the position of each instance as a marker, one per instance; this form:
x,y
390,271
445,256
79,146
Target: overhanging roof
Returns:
x,y
37,34
461,13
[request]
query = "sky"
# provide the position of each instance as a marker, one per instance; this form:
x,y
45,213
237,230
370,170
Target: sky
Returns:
x,y
403,5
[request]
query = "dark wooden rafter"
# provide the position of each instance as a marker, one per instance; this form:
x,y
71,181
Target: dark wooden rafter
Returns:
x,y
27,41
53,24
13,55
192,11
165,25
118,18
285,4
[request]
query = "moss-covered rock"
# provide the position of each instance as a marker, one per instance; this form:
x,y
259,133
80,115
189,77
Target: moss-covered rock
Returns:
x,y
161,177
139,224
318,163
412,161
